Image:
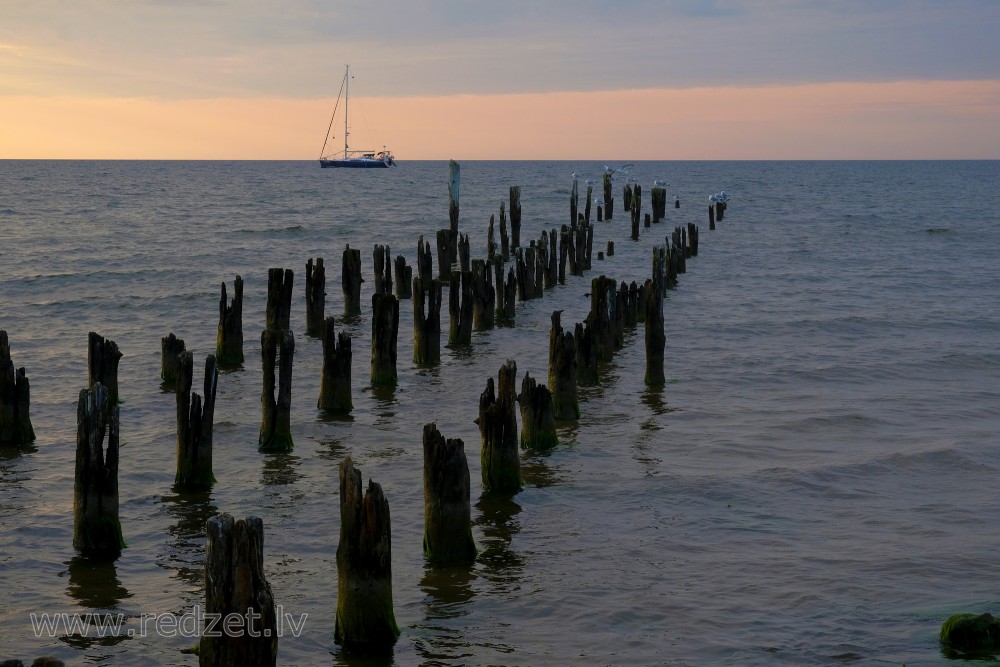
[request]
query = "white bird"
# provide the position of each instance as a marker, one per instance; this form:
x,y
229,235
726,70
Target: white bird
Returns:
x,y
659,183
589,181
575,176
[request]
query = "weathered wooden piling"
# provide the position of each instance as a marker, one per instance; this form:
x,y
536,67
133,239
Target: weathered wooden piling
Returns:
x,y
170,347
574,201
693,239
229,337
655,336
447,512
238,595
404,278
515,216
277,347
658,199
586,208
627,199
618,314
711,216
460,308
646,221
278,313
365,618
562,371
602,314
383,269
425,262
635,228
447,250
97,529
506,291
525,263
491,241
501,466
463,253
483,296
102,364
315,296
15,400
538,421
552,269
504,236
195,416
335,380
600,213
586,353
426,322
609,200
541,265
454,187
350,281
385,329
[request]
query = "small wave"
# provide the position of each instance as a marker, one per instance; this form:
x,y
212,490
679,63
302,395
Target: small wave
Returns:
x,y
9,211
939,230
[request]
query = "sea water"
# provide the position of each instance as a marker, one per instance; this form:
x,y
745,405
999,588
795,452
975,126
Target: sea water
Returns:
x,y
815,484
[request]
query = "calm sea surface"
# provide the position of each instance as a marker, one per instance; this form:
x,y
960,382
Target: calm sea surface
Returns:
x,y
816,484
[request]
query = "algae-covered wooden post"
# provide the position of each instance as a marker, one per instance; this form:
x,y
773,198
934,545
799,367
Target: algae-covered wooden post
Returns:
x,y
447,513
655,337
552,270
315,296
562,371
365,619
238,595
229,339
404,278
971,636
97,529
460,308
383,269
15,400
590,196
515,216
385,329
501,466
276,423
464,258
425,262
194,424
335,381
426,322
278,311
609,200
509,298
170,348
483,296
491,239
350,281
602,305
102,364
538,421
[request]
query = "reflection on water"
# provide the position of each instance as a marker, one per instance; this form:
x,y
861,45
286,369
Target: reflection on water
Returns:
x,y
367,657
280,469
385,406
535,470
443,636
655,400
332,449
94,586
497,518
185,549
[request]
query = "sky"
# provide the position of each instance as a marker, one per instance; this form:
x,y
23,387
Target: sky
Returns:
x,y
504,79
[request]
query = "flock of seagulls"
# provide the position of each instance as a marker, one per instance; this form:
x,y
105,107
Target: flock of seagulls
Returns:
x,y
718,198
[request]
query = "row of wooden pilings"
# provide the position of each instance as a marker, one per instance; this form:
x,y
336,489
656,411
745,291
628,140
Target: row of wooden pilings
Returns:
x,y
235,547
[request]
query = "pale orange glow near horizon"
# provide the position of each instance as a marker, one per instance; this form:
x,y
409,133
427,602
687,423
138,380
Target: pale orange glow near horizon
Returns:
x,y
897,120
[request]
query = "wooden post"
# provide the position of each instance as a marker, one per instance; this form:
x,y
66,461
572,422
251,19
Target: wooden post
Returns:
x,y
460,308
655,337
693,238
501,466
620,299
627,199
97,529
383,269
404,278
504,237
385,329
276,424
350,281
541,265
229,339
170,347
447,513
365,618
538,421
194,424
278,313
425,262
315,296
483,296
574,201
590,196
600,213
238,595
491,243
102,364
463,253
15,400
635,228
564,251
552,270
515,215
602,305
646,221
586,353
335,381
609,200
509,298
588,235
611,248
454,185
562,371
711,216
447,250
426,328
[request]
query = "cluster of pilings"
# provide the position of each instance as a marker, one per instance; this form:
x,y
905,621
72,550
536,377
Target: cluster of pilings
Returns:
x,y
482,293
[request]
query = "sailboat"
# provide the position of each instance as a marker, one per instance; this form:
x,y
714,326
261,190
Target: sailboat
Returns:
x,y
358,159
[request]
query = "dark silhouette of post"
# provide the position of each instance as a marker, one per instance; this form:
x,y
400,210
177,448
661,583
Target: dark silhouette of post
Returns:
x,y
335,383
15,400
229,339
97,529
195,416
447,513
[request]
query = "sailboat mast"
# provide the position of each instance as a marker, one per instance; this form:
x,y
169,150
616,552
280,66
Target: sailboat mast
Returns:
x,y
347,97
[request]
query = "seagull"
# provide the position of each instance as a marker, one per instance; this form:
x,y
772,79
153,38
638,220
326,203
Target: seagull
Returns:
x,y
589,181
659,183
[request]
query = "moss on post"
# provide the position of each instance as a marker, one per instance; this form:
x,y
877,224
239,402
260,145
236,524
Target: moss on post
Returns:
x,y
170,348
335,382
15,400
237,593
538,421
501,466
385,329
562,371
350,281
102,364
97,529
315,296
194,424
447,513
276,424
365,617
229,339
970,636
426,322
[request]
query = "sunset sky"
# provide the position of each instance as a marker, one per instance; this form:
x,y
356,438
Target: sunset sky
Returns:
x,y
469,79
